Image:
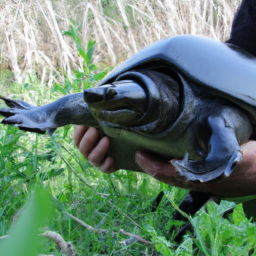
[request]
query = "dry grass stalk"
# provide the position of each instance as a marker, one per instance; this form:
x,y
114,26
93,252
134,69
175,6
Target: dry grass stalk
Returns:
x,y
138,238
31,39
127,25
66,247
106,231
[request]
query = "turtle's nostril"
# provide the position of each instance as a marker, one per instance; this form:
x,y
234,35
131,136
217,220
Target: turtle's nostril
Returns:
x,y
111,94
95,95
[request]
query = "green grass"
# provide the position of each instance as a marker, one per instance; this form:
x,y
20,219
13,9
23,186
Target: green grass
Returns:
x,y
113,202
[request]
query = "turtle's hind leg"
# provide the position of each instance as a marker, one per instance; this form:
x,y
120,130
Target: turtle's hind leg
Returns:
x,y
230,127
192,203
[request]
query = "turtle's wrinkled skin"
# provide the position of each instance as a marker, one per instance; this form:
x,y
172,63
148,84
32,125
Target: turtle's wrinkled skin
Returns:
x,y
188,97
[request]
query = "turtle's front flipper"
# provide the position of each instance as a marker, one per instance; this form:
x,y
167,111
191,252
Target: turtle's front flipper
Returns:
x,y
230,127
70,109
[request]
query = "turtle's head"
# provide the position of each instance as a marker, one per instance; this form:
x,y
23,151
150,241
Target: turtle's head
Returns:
x,y
135,99
121,102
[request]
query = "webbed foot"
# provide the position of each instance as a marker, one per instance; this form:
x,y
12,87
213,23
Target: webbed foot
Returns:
x,y
207,169
224,150
24,119
19,114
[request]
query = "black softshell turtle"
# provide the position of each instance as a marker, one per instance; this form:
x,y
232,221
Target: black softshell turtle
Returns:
x,y
187,97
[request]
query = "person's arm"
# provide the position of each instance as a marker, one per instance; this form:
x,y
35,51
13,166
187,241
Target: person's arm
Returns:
x,y
241,182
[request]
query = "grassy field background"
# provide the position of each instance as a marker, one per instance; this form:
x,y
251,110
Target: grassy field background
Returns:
x,y
98,214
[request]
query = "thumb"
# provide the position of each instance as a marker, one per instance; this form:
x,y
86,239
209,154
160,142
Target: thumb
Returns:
x,y
153,166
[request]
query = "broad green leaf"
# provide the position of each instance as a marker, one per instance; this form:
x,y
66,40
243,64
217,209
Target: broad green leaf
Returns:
x,y
23,236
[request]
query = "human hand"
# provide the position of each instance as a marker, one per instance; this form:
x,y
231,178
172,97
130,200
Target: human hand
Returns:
x,y
94,149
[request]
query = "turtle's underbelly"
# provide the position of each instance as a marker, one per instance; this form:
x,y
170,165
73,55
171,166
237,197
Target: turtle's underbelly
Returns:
x,y
173,143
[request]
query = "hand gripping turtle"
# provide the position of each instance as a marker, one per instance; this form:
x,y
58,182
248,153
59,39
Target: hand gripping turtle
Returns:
x,y
187,97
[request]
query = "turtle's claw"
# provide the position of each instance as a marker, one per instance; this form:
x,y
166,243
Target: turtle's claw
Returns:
x,y
20,104
7,112
12,119
18,114
23,124
10,103
235,159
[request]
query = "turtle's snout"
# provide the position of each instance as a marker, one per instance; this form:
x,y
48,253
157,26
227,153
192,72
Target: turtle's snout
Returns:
x,y
99,94
119,95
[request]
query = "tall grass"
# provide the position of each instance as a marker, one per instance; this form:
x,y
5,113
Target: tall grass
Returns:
x,y
31,37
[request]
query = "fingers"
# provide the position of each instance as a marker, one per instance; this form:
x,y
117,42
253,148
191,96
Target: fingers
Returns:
x,y
108,166
78,134
96,153
88,141
93,148
248,162
97,156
